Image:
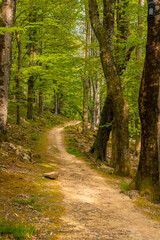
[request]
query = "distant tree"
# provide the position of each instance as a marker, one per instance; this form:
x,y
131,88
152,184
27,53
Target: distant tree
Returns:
x,y
8,9
86,75
18,77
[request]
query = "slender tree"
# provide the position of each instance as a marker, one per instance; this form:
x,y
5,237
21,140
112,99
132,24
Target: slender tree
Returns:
x,y
86,78
18,77
6,20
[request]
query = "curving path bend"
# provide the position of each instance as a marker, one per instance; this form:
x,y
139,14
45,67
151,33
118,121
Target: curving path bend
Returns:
x,y
94,210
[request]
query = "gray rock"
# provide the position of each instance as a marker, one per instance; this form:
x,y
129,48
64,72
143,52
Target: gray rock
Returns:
x,y
24,154
133,194
51,175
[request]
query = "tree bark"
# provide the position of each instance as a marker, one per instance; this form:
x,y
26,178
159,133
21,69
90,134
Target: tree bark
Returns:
x,y
61,103
32,54
139,63
40,102
6,20
147,179
41,90
118,106
94,85
31,86
30,97
121,62
105,127
18,78
97,102
56,103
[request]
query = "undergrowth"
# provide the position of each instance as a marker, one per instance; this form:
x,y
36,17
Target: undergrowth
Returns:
x,y
30,204
17,230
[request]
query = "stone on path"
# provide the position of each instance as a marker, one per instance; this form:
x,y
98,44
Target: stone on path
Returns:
x,y
51,175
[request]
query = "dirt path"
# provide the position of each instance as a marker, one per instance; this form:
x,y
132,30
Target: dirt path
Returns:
x,y
94,210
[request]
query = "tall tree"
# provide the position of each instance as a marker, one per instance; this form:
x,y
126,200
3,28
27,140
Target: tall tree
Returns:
x,y
139,63
86,78
6,20
115,102
32,55
147,179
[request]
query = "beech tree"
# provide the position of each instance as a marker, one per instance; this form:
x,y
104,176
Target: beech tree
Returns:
x,y
117,109
147,179
8,9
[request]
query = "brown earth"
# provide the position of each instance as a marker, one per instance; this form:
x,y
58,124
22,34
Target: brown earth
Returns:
x,y
94,209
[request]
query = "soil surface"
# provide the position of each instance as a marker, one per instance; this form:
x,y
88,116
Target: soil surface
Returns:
x,y
94,209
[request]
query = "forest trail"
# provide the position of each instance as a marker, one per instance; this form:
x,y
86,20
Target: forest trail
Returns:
x,y
94,210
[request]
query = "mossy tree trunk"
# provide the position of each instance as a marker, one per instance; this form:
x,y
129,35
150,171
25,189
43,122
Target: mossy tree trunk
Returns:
x,y
117,106
147,179
8,9
105,127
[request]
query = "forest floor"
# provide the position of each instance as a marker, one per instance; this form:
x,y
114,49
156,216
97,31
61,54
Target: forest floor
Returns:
x,y
86,201
30,205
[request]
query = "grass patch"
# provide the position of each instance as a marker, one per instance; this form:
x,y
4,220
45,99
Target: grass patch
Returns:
x,y
75,152
17,230
71,148
124,186
29,201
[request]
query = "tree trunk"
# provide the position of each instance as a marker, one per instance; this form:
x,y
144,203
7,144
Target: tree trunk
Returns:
x,y
6,20
105,127
32,54
97,102
86,81
93,103
31,86
147,179
139,63
56,103
41,88
40,102
61,103
18,78
118,108
114,150
30,97
94,85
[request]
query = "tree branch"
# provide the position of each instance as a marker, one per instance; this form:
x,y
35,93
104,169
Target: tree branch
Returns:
x,y
94,18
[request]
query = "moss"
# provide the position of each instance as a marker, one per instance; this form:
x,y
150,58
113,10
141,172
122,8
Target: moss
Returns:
x,y
152,210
